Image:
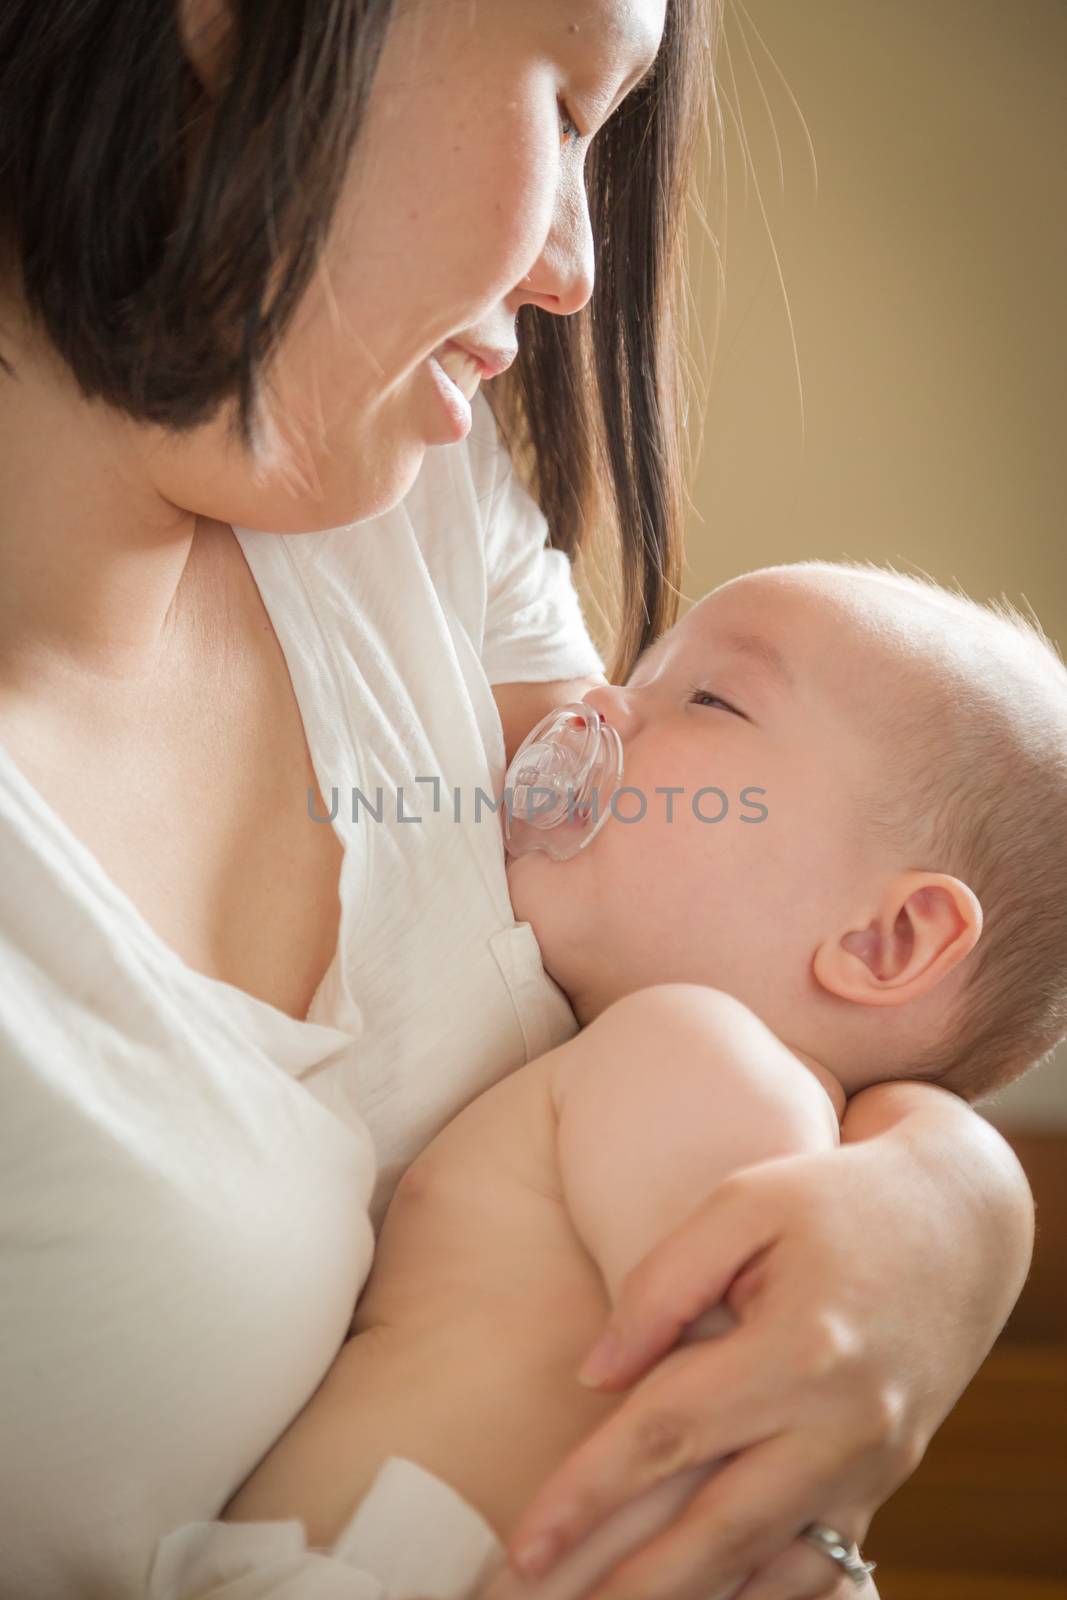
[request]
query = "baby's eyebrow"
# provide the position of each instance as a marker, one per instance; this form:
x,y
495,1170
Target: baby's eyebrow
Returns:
x,y
762,653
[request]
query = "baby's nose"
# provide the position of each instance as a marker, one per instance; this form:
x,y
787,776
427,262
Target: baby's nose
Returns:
x,y
613,705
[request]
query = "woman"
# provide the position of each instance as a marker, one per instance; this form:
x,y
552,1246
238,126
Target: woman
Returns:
x,y
233,239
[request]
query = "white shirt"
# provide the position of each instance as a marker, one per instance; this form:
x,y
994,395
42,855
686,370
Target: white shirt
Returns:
x,y
189,1177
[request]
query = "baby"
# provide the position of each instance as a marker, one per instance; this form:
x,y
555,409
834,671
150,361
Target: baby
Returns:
x,y
887,899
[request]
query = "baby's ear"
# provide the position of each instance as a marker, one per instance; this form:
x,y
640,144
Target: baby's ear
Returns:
x,y
923,925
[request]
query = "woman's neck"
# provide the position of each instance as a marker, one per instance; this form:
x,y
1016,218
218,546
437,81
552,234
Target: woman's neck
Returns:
x,y
92,557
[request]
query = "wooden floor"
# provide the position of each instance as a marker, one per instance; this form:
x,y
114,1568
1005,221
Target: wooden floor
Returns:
x,y
985,1515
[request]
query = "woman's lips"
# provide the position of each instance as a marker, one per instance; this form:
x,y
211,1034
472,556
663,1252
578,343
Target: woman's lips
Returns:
x,y
453,404
463,369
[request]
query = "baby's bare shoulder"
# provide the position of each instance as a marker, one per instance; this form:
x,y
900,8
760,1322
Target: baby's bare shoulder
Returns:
x,y
693,1044
668,1093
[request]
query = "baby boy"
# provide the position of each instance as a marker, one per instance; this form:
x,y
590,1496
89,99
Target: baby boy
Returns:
x,y
891,902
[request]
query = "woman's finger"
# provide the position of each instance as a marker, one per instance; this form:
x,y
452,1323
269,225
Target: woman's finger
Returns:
x,y
659,1430
801,1572
744,1516
687,1273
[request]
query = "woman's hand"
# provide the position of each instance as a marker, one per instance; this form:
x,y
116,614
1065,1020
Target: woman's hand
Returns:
x,y
869,1283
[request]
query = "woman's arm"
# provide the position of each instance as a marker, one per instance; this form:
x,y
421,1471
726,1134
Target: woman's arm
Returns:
x,y
963,1191
869,1282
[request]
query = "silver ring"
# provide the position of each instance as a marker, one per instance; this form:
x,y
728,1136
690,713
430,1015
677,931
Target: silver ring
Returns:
x,y
834,1545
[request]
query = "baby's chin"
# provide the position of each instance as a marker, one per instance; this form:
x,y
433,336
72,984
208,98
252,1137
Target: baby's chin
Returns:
x,y
520,871
531,883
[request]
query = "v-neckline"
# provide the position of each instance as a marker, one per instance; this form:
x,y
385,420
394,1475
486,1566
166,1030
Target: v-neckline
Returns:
x,y
265,1021
264,1017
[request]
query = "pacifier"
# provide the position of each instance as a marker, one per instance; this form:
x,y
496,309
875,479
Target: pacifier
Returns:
x,y
560,783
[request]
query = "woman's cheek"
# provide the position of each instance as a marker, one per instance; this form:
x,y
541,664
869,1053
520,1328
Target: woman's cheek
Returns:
x,y
524,184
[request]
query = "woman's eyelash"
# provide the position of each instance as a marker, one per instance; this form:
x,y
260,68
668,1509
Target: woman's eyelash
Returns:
x,y
568,126
695,690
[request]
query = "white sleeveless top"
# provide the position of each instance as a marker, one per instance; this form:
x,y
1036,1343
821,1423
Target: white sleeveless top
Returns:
x,y
189,1177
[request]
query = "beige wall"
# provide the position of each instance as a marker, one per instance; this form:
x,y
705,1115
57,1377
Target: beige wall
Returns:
x,y
925,283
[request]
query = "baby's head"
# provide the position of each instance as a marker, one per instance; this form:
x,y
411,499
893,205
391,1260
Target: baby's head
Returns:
x,y
865,843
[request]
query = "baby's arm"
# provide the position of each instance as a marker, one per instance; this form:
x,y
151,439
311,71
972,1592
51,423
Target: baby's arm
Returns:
x,y
668,1091
674,1088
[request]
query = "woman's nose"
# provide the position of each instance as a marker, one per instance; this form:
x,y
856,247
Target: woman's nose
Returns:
x,y
562,279
614,705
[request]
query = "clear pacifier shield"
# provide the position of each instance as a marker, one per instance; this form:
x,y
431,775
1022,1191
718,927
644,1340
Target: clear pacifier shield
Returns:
x,y
558,788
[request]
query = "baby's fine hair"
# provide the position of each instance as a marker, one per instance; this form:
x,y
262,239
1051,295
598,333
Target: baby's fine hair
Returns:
x,y
973,727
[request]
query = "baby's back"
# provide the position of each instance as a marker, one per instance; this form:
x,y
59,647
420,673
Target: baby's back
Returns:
x,y
506,1239
480,1278
477,1314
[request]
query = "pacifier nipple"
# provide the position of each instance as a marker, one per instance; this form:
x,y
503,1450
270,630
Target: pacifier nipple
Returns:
x,y
559,785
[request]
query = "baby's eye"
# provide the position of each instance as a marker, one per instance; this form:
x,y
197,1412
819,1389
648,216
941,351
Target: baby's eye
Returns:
x,y
704,696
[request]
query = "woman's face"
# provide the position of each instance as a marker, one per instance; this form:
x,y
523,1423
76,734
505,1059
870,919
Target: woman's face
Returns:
x,y
465,201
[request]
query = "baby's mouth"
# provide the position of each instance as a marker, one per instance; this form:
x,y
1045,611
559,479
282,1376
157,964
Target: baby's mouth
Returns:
x,y
560,782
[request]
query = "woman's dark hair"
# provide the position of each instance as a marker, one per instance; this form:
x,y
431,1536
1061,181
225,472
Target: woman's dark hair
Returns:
x,y
166,279
598,397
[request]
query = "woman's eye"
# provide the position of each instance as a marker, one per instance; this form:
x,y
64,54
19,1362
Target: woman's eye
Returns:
x,y
568,128
703,696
